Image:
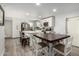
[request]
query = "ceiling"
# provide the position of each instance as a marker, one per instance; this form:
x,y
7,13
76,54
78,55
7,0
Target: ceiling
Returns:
x,y
42,10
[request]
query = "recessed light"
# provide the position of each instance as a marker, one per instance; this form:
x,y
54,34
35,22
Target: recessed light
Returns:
x,y
54,10
27,14
37,3
39,16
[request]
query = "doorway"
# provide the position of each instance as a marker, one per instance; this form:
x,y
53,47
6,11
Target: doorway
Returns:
x,y
73,29
8,28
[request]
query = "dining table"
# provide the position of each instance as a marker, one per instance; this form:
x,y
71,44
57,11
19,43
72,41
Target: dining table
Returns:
x,y
51,38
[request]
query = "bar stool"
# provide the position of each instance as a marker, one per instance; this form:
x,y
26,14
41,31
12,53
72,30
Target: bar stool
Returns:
x,y
25,40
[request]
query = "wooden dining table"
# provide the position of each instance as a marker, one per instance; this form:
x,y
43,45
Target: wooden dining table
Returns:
x,y
51,38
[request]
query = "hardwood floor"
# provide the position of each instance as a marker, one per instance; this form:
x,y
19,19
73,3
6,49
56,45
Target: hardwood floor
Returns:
x,y
75,51
14,48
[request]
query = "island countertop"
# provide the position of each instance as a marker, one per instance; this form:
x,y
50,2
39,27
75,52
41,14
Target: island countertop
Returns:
x,y
51,37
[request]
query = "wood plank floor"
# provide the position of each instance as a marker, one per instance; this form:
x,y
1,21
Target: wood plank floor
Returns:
x,y
14,48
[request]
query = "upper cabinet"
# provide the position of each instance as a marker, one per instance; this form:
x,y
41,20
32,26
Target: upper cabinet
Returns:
x,y
48,22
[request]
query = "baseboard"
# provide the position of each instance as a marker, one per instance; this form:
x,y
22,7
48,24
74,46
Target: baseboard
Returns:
x,y
75,46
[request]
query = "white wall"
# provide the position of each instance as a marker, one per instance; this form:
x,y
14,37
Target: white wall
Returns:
x,y
60,21
2,41
16,26
8,28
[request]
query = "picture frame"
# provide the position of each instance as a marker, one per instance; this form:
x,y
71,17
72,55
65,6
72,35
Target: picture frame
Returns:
x,y
1,16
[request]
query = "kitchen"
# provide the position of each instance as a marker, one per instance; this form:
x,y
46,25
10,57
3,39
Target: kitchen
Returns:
x,y
40,30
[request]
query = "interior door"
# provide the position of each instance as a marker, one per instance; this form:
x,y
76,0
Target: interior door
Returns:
x,y
73,30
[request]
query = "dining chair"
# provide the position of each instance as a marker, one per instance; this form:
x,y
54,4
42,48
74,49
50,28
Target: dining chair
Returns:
x,y
63,49
43,49
40,48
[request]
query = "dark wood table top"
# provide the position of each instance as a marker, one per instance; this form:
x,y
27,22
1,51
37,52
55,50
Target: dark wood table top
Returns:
x,y
50,37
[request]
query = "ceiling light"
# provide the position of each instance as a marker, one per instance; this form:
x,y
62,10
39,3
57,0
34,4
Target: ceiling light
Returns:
x,y
54,10
27,14
37,3
39,16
